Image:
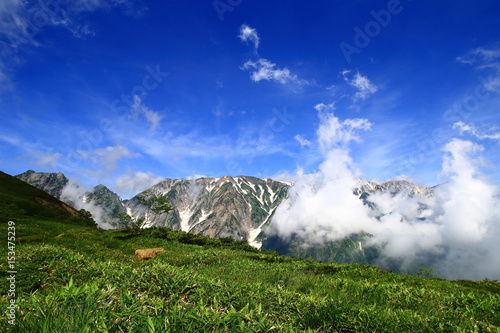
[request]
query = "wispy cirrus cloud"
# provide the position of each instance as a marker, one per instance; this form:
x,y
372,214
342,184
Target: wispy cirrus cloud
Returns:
x,y
46,158
484,58
302,141
138,109
21,22
108,157
491,133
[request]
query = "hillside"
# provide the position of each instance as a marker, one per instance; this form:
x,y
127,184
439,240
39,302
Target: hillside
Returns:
x,y
21,200
75,278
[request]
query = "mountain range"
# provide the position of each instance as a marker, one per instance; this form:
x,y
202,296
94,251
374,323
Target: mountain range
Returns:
x,y
238,207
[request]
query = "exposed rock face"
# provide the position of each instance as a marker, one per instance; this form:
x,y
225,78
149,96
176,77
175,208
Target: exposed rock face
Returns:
x,y
108,200
216,207
392,186
52,183
237,207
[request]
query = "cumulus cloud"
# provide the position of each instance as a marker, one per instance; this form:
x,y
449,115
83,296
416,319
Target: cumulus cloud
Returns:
x,y
316,198
263,69
334,132
361,83
453,230
249,34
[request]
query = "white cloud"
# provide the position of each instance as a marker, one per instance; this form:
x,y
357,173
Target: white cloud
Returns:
x,y
480,54
133,182
249,34
21,21
360,82
472,130
303,141
151,116
334,132
454,231
195,176
77,194
14,20
109,156
46,158
263,69
484,58
325,107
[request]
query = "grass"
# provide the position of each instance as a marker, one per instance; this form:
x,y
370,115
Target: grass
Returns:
x,y
72,277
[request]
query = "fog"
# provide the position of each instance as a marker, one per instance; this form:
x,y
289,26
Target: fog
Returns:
x,y
453,231
76,195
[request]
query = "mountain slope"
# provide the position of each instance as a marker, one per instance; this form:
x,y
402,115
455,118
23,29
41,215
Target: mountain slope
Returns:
x,y
216,207
238,207
19,200
72,278
52,183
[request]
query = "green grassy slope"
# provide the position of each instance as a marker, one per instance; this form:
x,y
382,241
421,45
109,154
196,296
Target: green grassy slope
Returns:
x,y
74,278
21,200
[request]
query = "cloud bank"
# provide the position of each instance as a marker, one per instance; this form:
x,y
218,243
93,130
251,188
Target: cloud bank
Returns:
x,y
453,231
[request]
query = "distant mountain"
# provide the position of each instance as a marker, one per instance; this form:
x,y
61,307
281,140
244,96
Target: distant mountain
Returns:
x,y
109,201
217,207
353,248
238,207
392,186
52,183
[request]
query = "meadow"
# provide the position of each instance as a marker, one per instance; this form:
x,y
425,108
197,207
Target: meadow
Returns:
x,y
73,277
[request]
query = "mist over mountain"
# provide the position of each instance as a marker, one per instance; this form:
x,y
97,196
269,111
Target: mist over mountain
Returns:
x,y
237,207
330,214
451,228
243,208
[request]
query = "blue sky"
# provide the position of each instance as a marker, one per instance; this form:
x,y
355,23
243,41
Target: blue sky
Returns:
x,y
127,92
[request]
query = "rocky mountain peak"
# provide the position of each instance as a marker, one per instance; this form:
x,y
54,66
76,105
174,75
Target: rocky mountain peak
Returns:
x,y
52,183
238,207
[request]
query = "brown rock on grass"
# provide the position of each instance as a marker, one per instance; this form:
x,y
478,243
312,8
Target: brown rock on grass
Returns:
x,y
147,253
